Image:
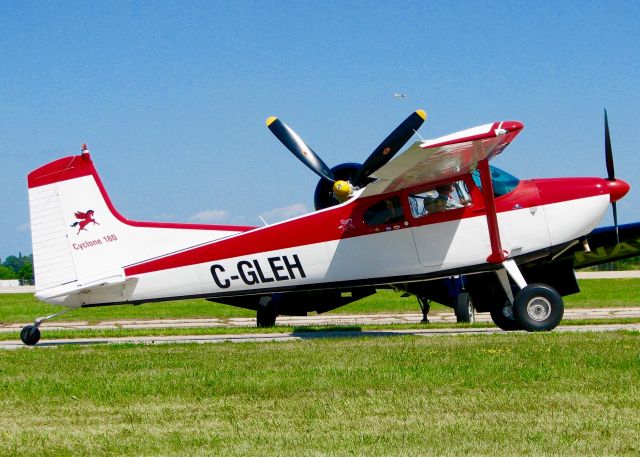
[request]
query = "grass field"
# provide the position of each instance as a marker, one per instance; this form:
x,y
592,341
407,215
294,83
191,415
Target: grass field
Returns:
x,y
23,308
506,394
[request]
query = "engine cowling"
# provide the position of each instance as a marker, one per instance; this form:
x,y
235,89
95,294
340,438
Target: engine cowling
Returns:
x,y
323,196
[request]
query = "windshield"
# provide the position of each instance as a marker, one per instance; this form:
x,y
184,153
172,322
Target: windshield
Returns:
x,y
503,182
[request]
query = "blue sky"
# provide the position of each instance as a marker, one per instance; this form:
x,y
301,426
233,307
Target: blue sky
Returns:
x,y
172,96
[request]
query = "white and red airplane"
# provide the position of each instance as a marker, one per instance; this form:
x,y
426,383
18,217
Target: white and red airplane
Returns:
x,y
436,211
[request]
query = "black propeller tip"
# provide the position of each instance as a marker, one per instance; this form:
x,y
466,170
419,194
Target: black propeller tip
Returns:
x,y
608,151
391,145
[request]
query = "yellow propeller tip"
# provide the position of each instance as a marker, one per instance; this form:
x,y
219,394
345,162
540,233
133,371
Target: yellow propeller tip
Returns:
x,y
271,120
422,113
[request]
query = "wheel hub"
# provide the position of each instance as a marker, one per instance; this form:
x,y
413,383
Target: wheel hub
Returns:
x,y
539,308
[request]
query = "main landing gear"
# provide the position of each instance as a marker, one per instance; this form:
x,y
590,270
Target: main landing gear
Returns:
x,y
465,312
30,334
534,308
267,311
462,306
538,307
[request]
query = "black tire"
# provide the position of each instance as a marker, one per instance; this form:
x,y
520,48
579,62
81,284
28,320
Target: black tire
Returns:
x,y
538,308
30,335
465,313
267,314
507,324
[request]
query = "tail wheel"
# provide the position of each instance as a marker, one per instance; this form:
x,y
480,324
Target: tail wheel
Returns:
x,y
538,308
30,335
465,313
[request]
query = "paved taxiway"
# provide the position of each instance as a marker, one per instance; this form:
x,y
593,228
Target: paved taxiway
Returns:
x,y
301,321
299,336
292,321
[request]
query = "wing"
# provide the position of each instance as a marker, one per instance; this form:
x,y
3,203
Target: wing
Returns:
x,y
80,215
446,157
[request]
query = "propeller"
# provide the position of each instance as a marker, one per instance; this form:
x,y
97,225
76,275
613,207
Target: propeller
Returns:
x,y
380,156
294,143
391,145
611,174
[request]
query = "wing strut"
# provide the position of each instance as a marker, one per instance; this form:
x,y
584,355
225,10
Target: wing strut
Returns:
x,y
498,255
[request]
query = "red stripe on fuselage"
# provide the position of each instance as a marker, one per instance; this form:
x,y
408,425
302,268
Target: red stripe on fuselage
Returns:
x,y
327,225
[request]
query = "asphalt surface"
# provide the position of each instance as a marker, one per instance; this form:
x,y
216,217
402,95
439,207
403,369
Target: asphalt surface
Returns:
x,y
300,336
300,322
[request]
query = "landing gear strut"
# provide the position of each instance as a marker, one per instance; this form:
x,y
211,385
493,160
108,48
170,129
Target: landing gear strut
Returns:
x,y
425,306
30,334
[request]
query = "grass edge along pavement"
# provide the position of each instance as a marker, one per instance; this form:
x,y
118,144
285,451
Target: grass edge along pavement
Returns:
x,y
81,333
505,394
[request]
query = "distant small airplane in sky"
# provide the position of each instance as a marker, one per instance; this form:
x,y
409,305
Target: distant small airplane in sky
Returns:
x,y
398,95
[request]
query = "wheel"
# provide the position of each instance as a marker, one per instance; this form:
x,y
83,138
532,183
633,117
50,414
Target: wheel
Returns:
x,y
502,316
465,313
538,308
267,312
30,335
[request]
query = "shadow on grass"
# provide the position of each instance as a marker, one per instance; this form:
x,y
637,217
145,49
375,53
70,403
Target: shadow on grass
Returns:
x,y
338,331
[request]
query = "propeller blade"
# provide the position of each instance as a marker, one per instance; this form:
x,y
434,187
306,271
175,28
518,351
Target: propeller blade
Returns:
x,y
608,153
294,143
391,145
615,221
611,173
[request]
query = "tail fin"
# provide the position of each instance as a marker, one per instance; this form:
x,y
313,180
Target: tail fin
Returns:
x,y
79,238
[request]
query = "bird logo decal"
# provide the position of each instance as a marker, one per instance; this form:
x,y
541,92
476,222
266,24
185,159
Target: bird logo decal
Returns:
x,y
346,225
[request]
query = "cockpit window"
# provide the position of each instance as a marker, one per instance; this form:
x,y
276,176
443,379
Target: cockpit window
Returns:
x,y
503,182
384,212
445,197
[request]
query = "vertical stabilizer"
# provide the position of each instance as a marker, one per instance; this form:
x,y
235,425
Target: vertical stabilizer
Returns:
x,y
81,241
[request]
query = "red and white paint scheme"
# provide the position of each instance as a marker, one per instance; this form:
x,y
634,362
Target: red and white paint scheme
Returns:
x,y
387,233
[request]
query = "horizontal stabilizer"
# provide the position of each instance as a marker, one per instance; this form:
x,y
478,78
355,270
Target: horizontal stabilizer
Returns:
x,y
77,287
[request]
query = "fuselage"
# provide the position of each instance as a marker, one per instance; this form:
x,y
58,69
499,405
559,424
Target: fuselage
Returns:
x,y
349,245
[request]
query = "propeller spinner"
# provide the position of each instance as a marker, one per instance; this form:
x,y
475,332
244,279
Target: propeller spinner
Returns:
x,y
343,189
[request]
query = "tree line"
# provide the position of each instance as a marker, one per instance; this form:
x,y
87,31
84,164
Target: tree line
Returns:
x,y
18,267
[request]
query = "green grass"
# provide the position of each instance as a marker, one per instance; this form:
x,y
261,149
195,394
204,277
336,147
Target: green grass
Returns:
x,y
23,308
507,394
605,293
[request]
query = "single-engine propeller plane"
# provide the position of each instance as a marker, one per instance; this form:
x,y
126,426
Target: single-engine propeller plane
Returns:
x,y
411,221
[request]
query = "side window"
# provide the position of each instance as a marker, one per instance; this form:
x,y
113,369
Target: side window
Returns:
x,y
384,212
445,197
